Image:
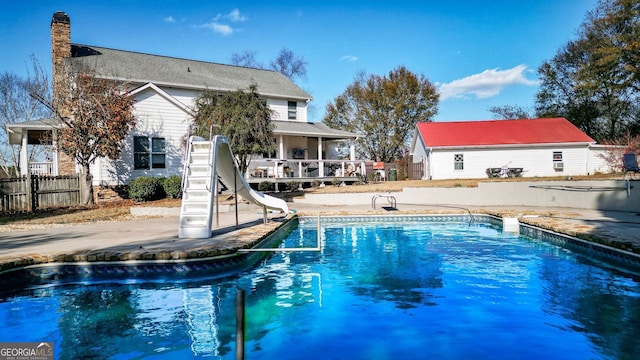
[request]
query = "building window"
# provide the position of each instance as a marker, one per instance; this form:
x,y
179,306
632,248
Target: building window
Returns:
x,y
557,156
149,153
293,110
458,162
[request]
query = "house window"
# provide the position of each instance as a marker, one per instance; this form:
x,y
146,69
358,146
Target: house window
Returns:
x,y
458,162
557,156
149,153
269,155
293,110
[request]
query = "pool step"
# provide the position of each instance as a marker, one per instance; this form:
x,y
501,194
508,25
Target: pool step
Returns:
x,y
510,225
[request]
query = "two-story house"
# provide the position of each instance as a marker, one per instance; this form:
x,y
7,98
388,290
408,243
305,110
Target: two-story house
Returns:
x,y
164,89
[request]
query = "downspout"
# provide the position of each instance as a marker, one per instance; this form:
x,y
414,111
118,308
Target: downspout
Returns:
x,y
54,155
427,165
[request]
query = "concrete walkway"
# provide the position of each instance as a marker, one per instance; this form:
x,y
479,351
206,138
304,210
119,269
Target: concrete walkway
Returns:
x,y
156,238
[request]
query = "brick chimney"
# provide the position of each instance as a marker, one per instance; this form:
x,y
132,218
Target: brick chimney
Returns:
x,y
60,48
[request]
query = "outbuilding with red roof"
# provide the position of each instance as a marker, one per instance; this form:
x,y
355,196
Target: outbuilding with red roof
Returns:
x,y
527,147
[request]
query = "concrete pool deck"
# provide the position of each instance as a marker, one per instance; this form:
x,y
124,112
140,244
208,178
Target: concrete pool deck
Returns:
x,y
157,238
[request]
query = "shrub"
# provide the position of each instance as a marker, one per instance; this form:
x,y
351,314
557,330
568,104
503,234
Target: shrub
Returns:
x,y
315,183
145,188
173,186
293,185
265,186
371,178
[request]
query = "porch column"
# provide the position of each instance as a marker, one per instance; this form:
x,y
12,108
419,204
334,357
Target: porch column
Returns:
x,y
281,154
320,162
24,159
352,151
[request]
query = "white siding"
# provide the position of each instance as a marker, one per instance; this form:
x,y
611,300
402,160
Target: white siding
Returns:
x,y
156,117
418,151
281,109
420,155
184,96
597,162
279,106
536,161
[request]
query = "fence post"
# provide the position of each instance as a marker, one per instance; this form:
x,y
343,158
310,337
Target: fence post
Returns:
x,y
33,186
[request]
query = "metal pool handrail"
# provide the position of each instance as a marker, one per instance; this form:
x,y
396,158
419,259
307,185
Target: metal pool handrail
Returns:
x,y
390,199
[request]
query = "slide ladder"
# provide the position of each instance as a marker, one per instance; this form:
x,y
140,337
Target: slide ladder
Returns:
x,y
198,189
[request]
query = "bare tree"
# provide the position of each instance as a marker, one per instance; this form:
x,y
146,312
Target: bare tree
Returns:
x,y
289,65
510,112
17,105
286,63
247,59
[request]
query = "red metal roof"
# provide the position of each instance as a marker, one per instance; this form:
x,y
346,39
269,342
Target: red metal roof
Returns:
x,y
501,132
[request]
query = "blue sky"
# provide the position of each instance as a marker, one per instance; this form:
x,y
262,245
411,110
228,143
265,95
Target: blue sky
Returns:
x,y
479,53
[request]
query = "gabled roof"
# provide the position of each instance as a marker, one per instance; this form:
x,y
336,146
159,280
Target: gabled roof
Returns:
x,y
298,128
182,73
171,99
501,132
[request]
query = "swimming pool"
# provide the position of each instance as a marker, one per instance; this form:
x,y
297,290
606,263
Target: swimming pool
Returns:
x,y
379,289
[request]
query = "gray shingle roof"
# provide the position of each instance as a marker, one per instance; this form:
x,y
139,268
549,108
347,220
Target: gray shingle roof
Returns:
x,y
310,129
183,73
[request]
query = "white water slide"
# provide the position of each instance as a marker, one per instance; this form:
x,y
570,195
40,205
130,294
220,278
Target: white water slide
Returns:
x,y
206,161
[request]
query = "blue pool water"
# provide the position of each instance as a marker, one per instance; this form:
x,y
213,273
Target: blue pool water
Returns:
x,y
391,290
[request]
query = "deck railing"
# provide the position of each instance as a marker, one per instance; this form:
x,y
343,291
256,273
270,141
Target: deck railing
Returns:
x,y
294,168
41,168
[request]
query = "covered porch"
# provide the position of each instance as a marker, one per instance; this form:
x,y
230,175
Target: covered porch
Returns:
x,y
306,152
35,133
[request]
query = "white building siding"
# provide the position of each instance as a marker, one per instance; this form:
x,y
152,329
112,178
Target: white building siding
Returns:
x,y
281,110
597,162
535,161
420,156
184,96
156,117
279,106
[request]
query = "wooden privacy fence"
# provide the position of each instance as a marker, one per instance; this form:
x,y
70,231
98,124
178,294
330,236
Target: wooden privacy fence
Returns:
x,y
416,170
38,192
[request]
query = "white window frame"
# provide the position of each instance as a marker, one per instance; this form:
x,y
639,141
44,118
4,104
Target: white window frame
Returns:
x,y
292,110
458,162
155,148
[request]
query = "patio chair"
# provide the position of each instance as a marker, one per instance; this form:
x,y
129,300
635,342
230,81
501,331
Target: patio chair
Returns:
x,y
630,164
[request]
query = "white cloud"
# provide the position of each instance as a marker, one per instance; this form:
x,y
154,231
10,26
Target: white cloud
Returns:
x,y
218,28
218,25
486,84
169,19
233,16
349,58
